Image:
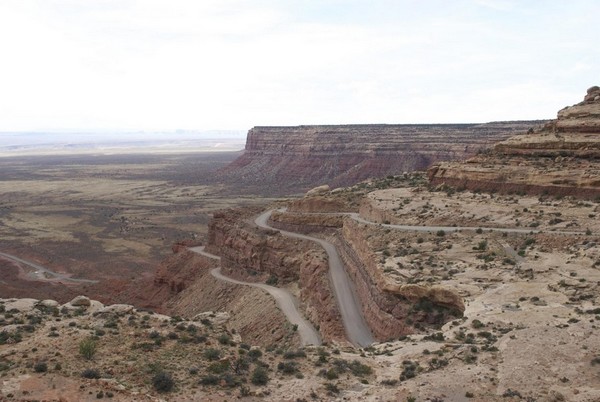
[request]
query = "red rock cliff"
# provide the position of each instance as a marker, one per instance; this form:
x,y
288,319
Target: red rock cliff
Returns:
x,y
281,159
250,253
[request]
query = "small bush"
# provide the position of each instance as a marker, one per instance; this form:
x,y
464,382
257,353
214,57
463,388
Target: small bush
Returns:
x,y
293,354
90,373
212,354
477,324
87,348
332,389
359,369
210,379
40,367
260,376
219,367
163,382
410,370
224,339
287,367
254,354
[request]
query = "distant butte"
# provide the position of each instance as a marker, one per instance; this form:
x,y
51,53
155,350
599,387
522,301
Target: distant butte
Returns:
x,y
561,159
293,159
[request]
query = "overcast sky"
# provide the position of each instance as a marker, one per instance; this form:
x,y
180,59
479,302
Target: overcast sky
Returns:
x,y
233,64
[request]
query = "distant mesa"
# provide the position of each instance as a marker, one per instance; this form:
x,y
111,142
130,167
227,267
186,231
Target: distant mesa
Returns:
x,y
560,159
298,158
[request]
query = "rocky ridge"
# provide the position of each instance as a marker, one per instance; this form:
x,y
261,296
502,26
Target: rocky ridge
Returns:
x,y
562,158
284,159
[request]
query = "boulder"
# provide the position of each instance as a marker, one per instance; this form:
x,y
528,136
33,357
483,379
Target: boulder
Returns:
x,y
80,301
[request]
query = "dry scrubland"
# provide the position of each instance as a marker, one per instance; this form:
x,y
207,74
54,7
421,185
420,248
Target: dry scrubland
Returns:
x,y
529,331
530,328
490,297
104,217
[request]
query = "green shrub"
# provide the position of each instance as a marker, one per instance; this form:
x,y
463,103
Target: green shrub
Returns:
x,y
477,324
219,367
332,389
212,354
210,379
287,367
40,367
254,354
224,339
359,369
90,373
260,376
293,354
163,382
87,348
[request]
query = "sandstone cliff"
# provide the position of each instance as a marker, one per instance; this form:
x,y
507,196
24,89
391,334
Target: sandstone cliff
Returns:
x,y
253,254
563,158
284,159
390,309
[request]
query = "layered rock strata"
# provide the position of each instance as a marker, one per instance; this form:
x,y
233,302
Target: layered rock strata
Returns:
x,y
562,158
253,254
281,159
391,310
184,286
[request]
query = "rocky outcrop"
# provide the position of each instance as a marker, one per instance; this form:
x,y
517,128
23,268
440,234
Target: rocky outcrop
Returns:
x,y
562,158
318,204
390,309
284,159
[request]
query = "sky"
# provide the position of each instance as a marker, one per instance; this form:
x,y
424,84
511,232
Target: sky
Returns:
x,y
234,64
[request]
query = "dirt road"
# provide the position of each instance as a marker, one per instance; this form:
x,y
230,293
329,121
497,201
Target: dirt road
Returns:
x,y
357,330
285,300
41,273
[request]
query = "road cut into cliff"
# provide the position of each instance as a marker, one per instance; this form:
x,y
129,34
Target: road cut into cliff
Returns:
x,y
284,299
357,330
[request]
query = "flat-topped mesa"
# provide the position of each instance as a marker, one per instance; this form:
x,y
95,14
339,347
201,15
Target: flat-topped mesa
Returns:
x,y
563,158
300,157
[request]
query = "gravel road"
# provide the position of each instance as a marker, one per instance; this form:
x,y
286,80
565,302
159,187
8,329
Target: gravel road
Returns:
x,y
285,300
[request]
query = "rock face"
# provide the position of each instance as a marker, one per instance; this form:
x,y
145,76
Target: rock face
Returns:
x,y
562,159
302,157
250,253
391,310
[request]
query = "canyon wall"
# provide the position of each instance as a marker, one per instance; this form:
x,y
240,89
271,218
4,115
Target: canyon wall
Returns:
x,y
391,310
561,159
291,159
184,286
254,254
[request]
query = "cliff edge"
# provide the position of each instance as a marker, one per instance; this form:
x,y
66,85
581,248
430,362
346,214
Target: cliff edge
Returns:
x,y
292,159
561,159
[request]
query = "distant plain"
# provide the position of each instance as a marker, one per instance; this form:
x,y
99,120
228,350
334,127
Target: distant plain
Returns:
x,y
111,218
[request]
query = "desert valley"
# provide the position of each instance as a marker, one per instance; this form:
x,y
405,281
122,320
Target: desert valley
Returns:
x,y
429,262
